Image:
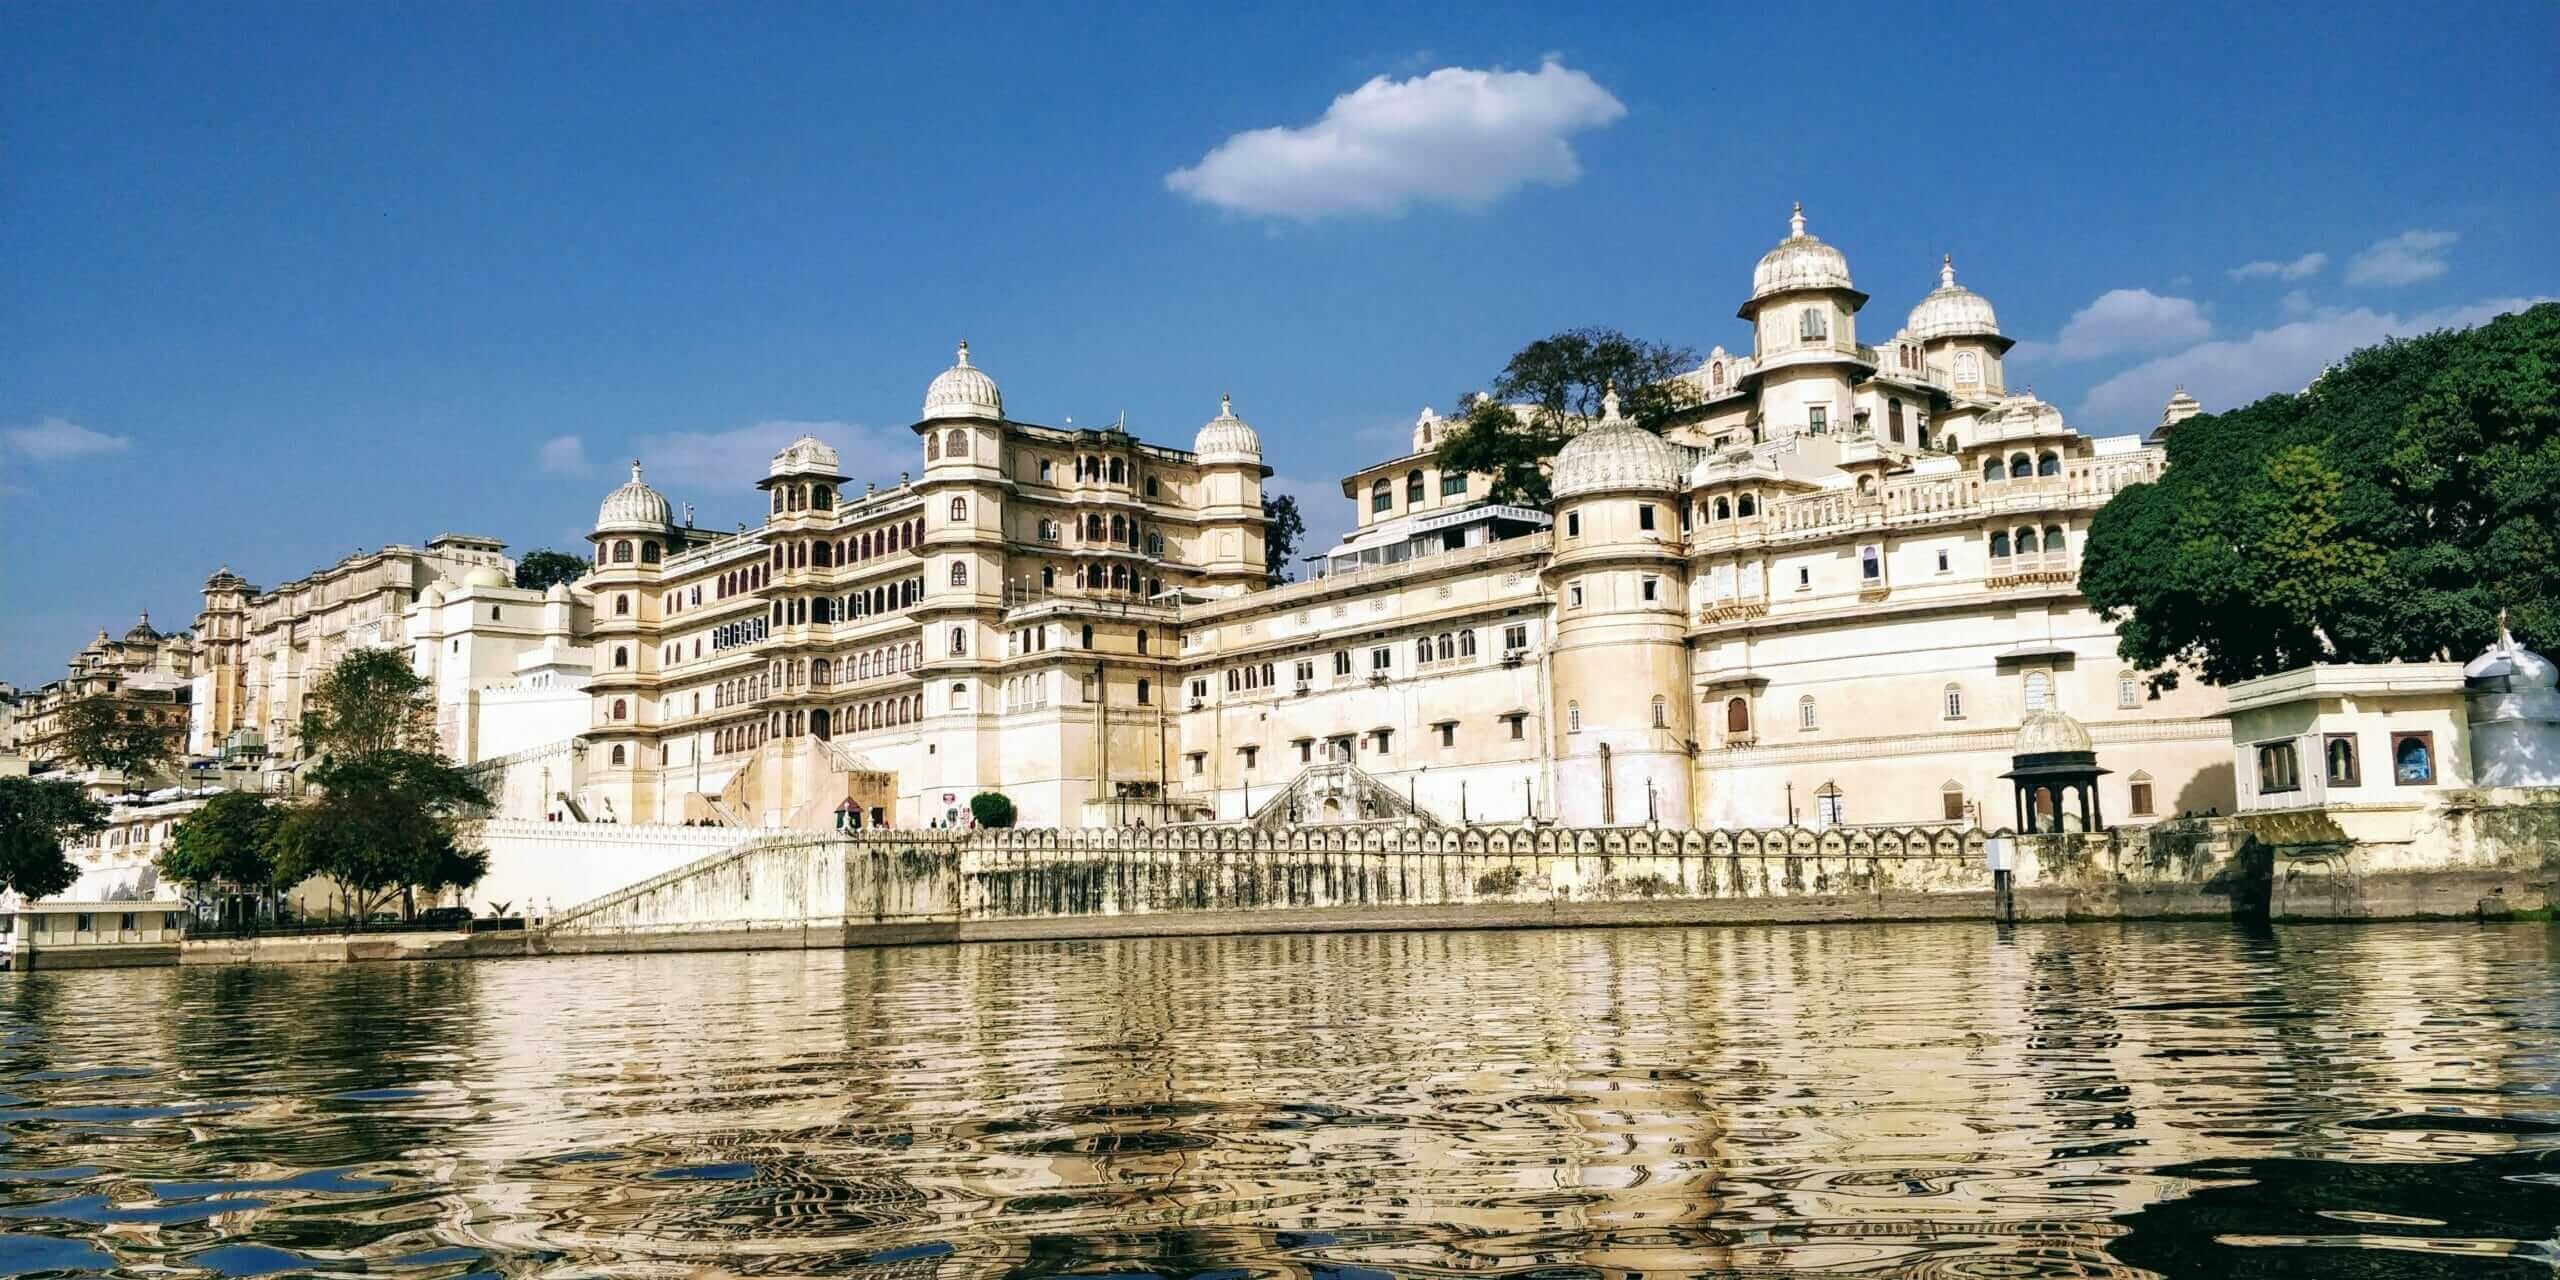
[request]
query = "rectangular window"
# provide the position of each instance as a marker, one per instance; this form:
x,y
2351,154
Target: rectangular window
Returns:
x,y
1197,758
1573,595
1951,804
1871,564
1342,663
1380,740
1044,471
2338,750
1573,524
2279,769
2142,797
1943,563
1804,577
1449,734
1306,670
1817,418
1652,588
1516,636
1145,691
1893,420
1200,687
1519,725
84,923
1250,753
1644,516
124,922
2413,759
1306,750
1811,325
1453,484
1381,660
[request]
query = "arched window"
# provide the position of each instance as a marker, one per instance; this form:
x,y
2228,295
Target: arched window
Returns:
x,y
1142,639
821,724
649,552
822,554
1155,543
2139,785
621,656
1661,712
1715,375
1422,649
1745,506
1828,810
1952,701
2025,541
2021,466
1968,368
2000,545
2049,464
622,606
622,551
1805,717
959,641
932,447
822,498
959,696
1448,647
2052,538
1991,469
955,443
2039,690
1382,497
1573,717
1737,716
959,510
821,673
1724,509
1951,801
959,573
1119,472
1412,487
621,709
617,755
1467,644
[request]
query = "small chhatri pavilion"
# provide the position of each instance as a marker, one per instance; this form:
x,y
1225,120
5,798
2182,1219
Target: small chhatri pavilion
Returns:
x,y
2054,758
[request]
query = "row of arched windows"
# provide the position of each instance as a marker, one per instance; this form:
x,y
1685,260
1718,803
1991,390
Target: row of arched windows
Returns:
x,y
1249,677
2023,541
1026,691
646,549
804,497
2021,466
953,443
822,553
737,692
1445,646
744,737
888,597
1724,508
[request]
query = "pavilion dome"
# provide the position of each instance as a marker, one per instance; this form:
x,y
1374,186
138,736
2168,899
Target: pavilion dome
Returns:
x,y
1227,438
633,508
1616,455
963,391
804,456
484,575
141,632
1952,311
2052,733
2522,668
1801,261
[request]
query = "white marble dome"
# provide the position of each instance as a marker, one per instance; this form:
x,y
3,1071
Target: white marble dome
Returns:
x,y
804,456
1952,311
1618,456
2522,668
2052,732
963,391
1800,261
484,575
635,507
1227,438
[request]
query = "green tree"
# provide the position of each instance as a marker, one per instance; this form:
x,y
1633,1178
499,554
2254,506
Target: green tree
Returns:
x,y
228,844
540,569
2386,513
1551,389
992,809
367,703
36,816
389,822
1280,544
109,733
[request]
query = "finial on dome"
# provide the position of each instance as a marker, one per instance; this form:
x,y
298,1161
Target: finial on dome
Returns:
x,y
2505,640
1609,400
964,353
1226,405
635,471
1947,271
1796,223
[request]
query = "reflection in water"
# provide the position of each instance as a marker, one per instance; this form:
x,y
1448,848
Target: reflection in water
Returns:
x,y
1934,1101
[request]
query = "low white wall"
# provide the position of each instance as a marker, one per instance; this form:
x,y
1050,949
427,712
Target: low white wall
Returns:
x,y
541,867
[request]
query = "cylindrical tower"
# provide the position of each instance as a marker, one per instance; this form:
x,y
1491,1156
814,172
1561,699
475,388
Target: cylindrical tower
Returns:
x,y
1232,532
634,531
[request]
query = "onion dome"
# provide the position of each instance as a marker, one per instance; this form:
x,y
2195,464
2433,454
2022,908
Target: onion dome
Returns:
x,y
805,456
1616,455
1951,310
141,632
2519,668
1227,438
1800,261
633,508
963,391
2052,733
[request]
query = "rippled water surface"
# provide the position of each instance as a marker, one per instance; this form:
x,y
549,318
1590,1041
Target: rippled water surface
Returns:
x,y
1935,1101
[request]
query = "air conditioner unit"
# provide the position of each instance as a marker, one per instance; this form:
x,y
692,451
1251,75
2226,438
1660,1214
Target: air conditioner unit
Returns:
x,y
1305,688
1198,703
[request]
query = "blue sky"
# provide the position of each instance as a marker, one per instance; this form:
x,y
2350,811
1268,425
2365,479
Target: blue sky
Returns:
x,y
285,281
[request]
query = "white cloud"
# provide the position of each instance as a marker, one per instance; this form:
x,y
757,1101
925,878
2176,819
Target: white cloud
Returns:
x,y
1458,137
2297,302
2236,371
564,454
2406,258
715,464
2301,268
60,439
2121,320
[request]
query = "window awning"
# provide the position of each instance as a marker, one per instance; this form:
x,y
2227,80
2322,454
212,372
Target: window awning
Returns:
x,y
2041,651
1733,680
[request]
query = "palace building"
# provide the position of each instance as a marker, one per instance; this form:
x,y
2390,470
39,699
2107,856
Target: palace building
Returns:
x,y
1829,593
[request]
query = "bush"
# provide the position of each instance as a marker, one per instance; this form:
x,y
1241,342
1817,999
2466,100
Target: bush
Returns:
x,y
991,809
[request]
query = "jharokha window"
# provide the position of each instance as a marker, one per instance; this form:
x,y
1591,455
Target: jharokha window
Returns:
x,y
2340,753
2413,759
2279,769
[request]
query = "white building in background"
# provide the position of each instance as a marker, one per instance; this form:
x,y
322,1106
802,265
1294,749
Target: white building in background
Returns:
x,y
1828,593
508,669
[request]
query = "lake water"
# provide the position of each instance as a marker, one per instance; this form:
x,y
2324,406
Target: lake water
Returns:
x,y
1928,1101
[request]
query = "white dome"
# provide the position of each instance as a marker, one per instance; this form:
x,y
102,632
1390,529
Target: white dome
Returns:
x,y
1800,261
432,593
2522,667
2050,733
484,575
1618,455
1227,438
1952,311
559,593
963,391
804,456
633,508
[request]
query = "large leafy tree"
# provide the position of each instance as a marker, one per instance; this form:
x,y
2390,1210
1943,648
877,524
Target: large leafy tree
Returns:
x,y
391,813
36,816
108,733
1551,389
540,569
229,844
1280,545
2386,513
368,702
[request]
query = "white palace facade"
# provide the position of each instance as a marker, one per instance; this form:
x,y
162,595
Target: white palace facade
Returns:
x,y
1829,592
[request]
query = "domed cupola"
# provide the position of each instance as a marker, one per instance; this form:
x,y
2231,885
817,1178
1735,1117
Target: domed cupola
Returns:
x,y
1615,455
1227,438
963,391
1953,311
141,632
2508,667
807,455
2049,732
1801,261
634,508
